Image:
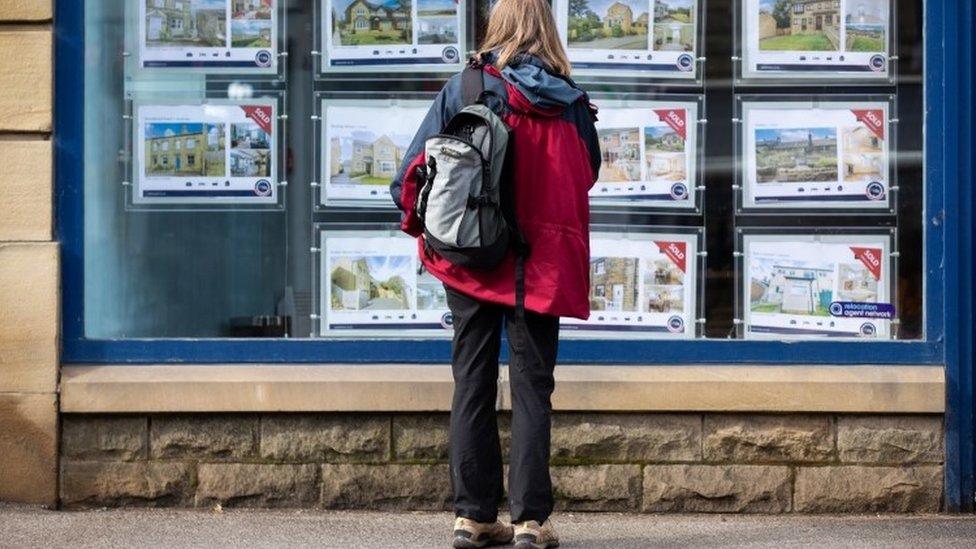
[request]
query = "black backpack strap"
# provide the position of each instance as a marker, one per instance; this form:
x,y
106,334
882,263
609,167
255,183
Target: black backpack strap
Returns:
x,y
472,84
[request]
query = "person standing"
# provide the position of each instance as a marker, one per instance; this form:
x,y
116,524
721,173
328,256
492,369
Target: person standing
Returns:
x,y
555,162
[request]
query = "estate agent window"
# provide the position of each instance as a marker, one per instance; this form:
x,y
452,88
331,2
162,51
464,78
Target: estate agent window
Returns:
x,y
763,180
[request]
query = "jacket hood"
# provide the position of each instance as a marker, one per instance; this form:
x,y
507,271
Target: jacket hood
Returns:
x,y
543,89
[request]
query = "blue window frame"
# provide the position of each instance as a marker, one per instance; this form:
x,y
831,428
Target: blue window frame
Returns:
x,y
942,232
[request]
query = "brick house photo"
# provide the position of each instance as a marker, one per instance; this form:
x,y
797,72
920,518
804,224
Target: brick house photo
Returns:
x,y
674,25
613,283
799,25
608,24
172,23
365,22
185,149
620,148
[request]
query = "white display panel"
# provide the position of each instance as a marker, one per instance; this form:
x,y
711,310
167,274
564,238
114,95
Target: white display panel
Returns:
x,y
381,36
816,39
825,154
658,38
364,143
641,285
369,283
227,35
214,152
650,154
810,286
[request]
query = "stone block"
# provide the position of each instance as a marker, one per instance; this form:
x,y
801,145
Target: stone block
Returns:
x,y
386,486
104,438
25,10
121,484
742,438
220,437
890,439
860,489
30,306
626,437
26,71
28,448
716,489
421,437
257,485
596,487
332,437
26,189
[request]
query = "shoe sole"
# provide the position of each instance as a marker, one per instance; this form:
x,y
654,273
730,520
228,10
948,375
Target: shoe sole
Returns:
x,y
462,543
530,545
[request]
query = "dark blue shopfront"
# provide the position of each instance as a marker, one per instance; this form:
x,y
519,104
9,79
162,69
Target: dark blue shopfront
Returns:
x,y
941,213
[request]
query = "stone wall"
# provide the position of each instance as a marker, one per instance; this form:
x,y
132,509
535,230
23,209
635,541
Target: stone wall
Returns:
x,y
601,462
29,259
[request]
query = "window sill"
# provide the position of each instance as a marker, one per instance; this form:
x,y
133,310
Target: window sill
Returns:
x,y
409,388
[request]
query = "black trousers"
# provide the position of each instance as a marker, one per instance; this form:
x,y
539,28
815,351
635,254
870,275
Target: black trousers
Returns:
x,y
475,452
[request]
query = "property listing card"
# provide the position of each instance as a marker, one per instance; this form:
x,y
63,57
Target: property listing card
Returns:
x,y
209,34
364,143
649,155
821,155
807,286
816,38
381,36
630,37
641,285
206,153
369,282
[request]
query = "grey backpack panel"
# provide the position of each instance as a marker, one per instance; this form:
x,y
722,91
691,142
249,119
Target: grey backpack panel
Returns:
x,y
460,201
459,175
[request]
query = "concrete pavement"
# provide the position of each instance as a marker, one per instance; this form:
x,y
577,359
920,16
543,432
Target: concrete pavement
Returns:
x,y
33,527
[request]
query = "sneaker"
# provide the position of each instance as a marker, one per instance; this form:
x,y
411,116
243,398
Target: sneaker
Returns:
x,y
470,534
529,535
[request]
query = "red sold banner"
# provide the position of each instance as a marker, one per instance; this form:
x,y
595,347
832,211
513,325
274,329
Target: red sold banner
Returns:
x,y
260,114
676,252
873,119
871,257
675,118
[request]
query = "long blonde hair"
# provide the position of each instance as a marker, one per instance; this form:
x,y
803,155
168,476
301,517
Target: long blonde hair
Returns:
x,y
524,26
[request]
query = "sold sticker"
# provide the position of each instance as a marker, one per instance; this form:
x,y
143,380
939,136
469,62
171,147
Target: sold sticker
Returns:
x,y
676,119
871,257
676,252
873,119
260,114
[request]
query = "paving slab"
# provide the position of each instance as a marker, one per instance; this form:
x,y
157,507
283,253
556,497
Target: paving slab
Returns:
x,y
165,528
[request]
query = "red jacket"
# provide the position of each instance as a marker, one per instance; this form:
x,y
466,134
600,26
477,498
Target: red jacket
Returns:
x,y
557,159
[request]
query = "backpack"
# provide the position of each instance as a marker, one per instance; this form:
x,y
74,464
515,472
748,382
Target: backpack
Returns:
x,y
465,202
463,208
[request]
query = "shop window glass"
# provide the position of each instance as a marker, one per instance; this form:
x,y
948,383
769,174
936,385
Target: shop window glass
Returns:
x,y
762,177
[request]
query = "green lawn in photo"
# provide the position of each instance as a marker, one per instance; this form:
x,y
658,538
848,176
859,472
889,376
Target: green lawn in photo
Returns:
x,y
798,42
676,17
368,38
435,13
250,43
864,43
370,180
